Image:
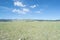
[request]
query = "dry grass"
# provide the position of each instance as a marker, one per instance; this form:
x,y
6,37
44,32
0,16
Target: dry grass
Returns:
x,y
29,30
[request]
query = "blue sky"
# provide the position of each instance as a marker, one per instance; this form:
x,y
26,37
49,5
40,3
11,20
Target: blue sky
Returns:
x,y
30,9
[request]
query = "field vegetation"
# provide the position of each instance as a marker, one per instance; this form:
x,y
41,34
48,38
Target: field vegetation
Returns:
x,y
30,30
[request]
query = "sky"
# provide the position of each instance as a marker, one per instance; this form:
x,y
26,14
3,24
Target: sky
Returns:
x,y
30,9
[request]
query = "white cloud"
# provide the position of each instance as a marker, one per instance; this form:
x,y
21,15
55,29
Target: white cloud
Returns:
x,y
26,10
23,11
17,3
33,6
18,11
38,12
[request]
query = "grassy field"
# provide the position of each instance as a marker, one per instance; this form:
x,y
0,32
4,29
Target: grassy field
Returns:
x,y
21,30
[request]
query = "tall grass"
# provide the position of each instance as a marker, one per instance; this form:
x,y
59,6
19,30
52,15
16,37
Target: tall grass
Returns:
x,y
21,30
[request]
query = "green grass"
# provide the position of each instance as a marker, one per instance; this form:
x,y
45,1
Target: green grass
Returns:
x,y
16,30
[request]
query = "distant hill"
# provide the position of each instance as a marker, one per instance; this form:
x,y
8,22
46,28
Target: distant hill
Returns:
x,y
5,20
27,20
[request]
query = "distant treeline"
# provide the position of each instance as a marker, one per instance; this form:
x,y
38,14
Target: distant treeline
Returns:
x,y
7,20
47,20
38,20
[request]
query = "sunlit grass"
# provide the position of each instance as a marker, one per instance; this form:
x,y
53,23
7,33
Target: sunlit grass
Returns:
x,y
29,30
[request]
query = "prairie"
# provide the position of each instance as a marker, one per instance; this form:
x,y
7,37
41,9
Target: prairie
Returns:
x,y
36,30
